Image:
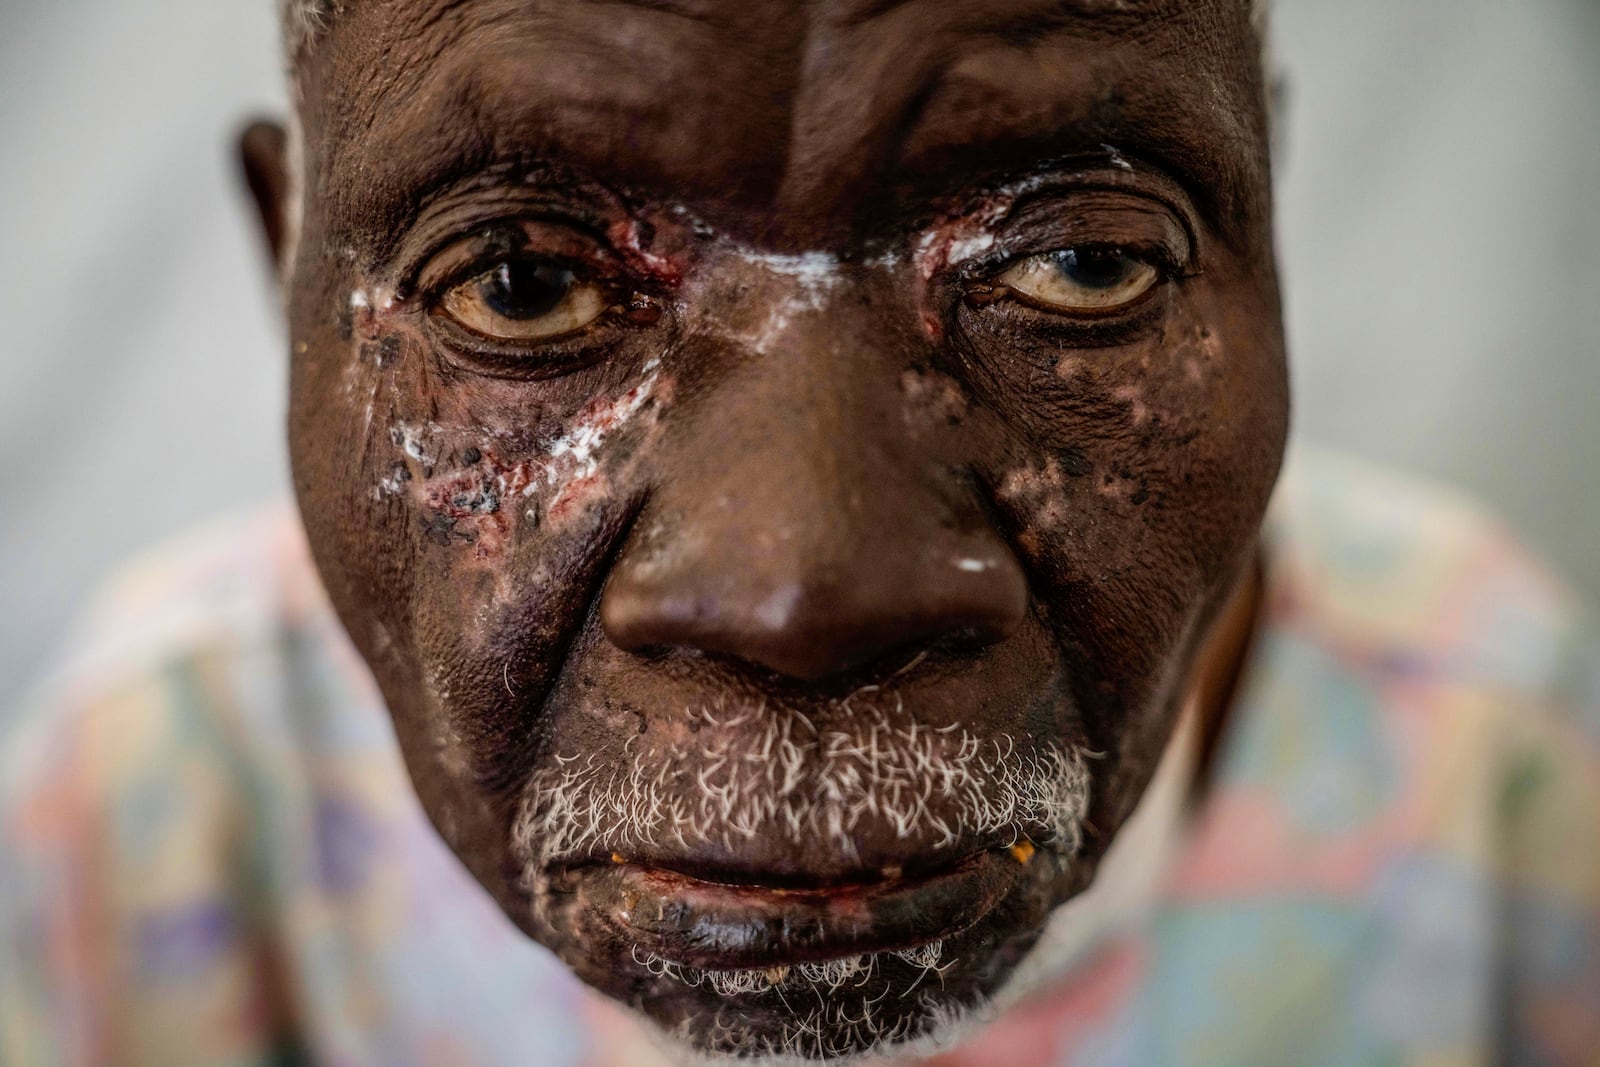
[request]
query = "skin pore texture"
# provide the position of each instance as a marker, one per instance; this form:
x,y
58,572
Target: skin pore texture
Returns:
x,y
786,465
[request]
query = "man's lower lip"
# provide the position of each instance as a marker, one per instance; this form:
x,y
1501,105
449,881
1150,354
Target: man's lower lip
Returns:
x,y
708,925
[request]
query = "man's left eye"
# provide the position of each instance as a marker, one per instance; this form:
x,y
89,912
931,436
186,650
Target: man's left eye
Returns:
x,y
1090,280
525,299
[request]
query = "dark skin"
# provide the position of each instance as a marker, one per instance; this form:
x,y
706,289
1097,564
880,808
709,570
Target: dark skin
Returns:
x,y
807,362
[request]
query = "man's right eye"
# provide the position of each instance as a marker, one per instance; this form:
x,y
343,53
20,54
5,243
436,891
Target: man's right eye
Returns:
x,y
525,299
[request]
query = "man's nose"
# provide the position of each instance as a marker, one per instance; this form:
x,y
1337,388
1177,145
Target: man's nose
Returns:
x,y
800,522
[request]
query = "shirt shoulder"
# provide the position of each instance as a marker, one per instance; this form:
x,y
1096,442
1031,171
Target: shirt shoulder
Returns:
x,y
210,851
1407,803
1407,620
1401,574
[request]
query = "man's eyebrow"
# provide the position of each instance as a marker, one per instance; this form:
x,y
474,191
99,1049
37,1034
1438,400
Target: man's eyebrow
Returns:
x,y
1181,119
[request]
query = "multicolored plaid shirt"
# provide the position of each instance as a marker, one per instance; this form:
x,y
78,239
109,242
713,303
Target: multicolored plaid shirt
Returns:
x,y
210,853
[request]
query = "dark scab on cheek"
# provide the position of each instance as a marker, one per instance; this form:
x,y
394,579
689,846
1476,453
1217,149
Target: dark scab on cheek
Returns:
x,y
438,528
1074,462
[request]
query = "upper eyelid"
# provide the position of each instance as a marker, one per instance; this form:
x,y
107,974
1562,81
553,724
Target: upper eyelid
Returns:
x,y
1139,184
419,279
1007,253
490,199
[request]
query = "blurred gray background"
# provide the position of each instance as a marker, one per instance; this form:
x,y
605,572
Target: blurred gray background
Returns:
x,y
1439,170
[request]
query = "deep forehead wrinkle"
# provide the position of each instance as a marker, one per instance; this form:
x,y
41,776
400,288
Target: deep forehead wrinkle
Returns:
x,y
985,91
924,92
305,20
303,17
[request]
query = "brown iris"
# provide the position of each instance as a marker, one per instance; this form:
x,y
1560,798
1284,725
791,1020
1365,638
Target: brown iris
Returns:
x,y
525,299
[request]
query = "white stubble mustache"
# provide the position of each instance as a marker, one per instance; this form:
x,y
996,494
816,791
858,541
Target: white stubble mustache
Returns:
x,y
773,771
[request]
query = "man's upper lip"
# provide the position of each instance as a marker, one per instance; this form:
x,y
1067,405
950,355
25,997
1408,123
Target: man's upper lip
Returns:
x,y
713,925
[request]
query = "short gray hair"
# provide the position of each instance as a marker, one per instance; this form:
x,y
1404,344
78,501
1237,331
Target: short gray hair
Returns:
x,y
303,20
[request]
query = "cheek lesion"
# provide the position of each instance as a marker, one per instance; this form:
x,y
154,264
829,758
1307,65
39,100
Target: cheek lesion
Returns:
x,y
479,483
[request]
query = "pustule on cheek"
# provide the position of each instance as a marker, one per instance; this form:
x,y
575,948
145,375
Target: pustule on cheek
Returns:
x,y
1041,495
933,399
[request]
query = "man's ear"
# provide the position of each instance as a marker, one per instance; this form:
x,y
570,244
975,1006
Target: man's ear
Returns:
x,y
264,151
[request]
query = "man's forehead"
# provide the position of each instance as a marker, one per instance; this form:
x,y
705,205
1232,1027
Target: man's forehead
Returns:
x,y
788,110
305,20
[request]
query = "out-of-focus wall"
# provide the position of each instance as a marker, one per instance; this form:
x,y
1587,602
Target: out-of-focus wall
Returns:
x,y
140,373
1440,236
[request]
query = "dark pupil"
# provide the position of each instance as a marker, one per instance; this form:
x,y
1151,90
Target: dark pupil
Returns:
x,y
524,288
1094,268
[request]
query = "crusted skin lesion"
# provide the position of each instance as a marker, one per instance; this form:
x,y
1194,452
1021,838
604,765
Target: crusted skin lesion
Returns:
x,y
484,497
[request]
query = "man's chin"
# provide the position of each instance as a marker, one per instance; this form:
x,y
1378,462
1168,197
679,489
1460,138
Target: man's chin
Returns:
x,y
833,1011
917,998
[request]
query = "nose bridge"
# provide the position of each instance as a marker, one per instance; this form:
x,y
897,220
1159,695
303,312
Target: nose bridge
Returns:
x,y
806,432
798,524
822,391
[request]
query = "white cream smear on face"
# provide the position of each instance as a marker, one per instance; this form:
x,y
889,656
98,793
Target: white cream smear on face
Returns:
x,y
811,276
578,448
816,272
563,461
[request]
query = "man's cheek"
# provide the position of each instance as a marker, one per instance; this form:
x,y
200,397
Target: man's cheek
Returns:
x,y
459,513
1135,451
1133,497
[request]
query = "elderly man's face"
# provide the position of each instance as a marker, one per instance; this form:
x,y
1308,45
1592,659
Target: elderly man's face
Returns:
x,y
779,461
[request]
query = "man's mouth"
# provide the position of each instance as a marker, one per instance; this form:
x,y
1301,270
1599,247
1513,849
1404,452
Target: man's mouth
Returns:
x,y
684,920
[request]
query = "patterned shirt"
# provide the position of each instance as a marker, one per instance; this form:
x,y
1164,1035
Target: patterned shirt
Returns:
x,y
210,853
